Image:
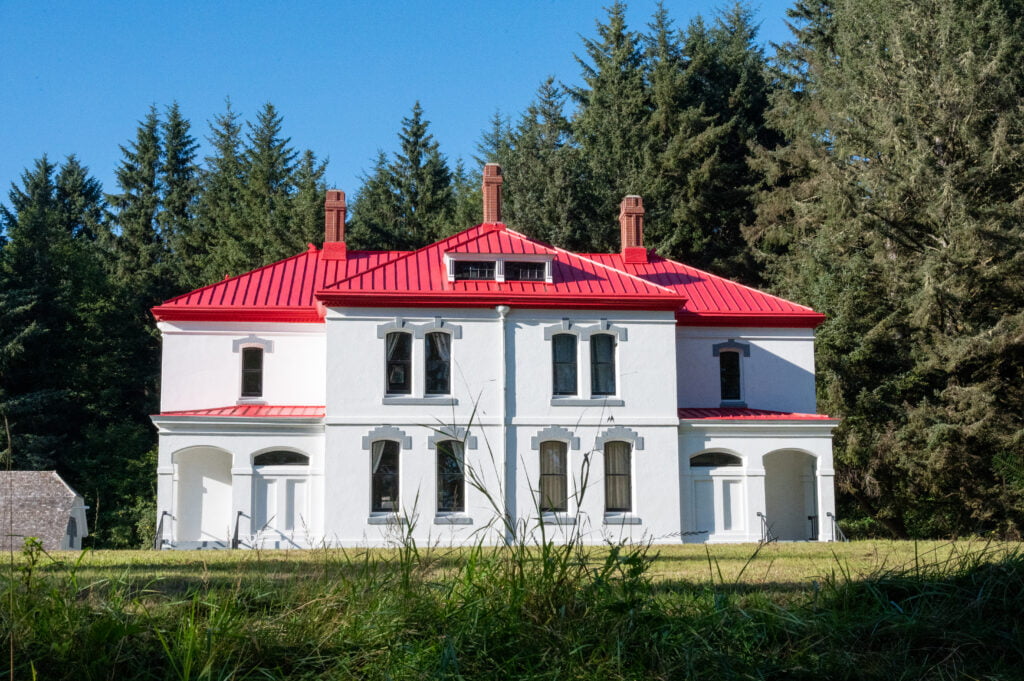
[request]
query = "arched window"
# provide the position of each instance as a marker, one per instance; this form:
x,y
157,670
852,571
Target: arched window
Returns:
x,y
252,372
451,477
715,459
399,363
438,364
554,488
280,458
729,370
384,476
563,361
618,483
602,364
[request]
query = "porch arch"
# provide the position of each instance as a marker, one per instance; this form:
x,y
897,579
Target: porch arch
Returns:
x,y
203,495
790,490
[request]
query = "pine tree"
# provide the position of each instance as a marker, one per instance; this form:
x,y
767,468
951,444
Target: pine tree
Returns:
x,y
179,179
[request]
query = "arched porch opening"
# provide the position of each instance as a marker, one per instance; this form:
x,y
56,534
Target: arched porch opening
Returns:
x,y
203,498
791,500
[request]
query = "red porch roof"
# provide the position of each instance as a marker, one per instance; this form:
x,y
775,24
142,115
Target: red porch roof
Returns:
x,y
253,411
744,414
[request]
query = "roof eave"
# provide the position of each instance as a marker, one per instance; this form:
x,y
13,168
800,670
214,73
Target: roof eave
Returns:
x,y
492,298
223,313
782,320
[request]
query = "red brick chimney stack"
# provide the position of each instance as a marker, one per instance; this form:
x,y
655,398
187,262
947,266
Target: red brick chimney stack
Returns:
x,y
492,192
334,225
631,222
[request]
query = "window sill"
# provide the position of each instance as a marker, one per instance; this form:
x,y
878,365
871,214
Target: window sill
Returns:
x,y
440,400
733,403
584,402
621,519
384,519
559,518
251,400
453,519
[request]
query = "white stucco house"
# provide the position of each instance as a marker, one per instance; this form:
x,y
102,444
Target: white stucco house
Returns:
x,y
338,397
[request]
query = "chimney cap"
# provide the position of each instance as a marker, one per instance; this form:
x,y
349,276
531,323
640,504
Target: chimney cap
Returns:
x,y
492,170
632,203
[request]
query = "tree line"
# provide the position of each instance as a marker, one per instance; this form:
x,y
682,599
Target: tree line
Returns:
x,y
871,167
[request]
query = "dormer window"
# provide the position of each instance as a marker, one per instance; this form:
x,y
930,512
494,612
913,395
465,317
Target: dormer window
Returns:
x,y
516,270
474,269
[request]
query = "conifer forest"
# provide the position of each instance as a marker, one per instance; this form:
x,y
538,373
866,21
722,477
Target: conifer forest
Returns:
x,y
871,167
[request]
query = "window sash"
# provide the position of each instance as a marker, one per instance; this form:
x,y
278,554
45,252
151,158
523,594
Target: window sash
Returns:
x,y
563,361
474,269
554,494
438,363
384,477
252,372
617,477
602,364
524,271
398,372
729,368
451,477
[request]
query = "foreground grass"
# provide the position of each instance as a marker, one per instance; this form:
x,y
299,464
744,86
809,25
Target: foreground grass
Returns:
x,y
864,610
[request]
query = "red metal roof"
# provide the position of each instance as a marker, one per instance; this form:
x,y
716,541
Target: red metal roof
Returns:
x,y
296,289
419,279
714,301
254,411
744,414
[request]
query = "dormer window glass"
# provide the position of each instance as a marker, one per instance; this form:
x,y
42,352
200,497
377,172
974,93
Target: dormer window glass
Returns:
x,y
252,372
399,363
524,271
474,269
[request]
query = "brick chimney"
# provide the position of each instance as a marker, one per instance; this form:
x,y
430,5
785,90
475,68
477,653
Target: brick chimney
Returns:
x,y
492,192
334,225
631,223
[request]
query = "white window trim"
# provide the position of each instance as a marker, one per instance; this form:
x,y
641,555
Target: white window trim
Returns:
x,y
584,396
251,341
636,443
452,517
499,260
742,350
419,331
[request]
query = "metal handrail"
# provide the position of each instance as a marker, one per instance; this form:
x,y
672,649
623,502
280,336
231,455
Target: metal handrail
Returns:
x,y
814,527
837,532
158,540
234,537
767,536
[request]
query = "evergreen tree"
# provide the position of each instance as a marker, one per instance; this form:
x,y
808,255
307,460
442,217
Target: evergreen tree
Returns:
x,y
179,179
902,185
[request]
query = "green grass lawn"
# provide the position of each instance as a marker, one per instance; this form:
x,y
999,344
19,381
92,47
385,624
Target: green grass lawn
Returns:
x,y
861,610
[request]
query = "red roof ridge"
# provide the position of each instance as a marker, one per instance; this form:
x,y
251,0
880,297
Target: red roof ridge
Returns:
x,y
301,254
582,256
736,283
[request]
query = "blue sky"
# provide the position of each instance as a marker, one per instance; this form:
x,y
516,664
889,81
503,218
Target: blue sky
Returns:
x,y
75,77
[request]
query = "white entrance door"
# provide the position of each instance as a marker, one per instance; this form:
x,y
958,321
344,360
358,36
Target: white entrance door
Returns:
x,y
280,506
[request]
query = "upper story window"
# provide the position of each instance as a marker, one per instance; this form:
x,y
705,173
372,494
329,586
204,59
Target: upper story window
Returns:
x,y
729,370
384,476
451,477
438,363
399,363
618,479
602,364
563,360
525,271
252,372
554,487
474,269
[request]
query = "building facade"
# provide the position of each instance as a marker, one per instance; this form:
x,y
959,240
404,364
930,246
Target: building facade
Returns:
x,y
486,386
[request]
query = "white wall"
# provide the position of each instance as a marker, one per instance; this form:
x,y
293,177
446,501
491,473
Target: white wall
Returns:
x,y
778,375
202,364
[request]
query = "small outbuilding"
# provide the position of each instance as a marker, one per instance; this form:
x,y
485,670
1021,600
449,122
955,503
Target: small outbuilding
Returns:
x,y
40,504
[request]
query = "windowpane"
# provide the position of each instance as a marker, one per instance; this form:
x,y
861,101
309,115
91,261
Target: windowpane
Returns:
x,y
617,478
252,372
729,364
384,474
280,458
563,350
470,269
438,363
715,459
602,364
450,477
553,484
524,271
399,362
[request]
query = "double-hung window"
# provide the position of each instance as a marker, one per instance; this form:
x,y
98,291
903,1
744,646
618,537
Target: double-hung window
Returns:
x,y
618,497
252,372
554,487
602,364
451,477
399,363
384,476
438,363
563,351
729,371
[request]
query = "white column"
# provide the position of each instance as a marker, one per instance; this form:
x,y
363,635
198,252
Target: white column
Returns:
x,y
755,498
826,503
165,489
